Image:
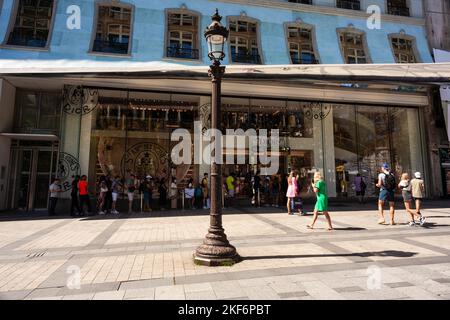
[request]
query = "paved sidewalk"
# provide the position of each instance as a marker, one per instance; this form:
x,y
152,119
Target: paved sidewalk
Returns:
x,y
149,256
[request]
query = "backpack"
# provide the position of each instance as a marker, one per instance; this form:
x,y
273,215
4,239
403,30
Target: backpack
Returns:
x,y
389,182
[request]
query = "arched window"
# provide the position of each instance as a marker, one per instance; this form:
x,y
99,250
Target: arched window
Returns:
x,y
301,44
182,34
404,48
32,23
113,33
349,4
244,46
398,7
353,46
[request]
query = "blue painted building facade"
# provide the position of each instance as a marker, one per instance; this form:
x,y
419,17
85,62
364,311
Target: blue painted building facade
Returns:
x,y
150,22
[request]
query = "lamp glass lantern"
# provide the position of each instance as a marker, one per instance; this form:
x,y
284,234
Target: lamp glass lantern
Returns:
x,y
216,35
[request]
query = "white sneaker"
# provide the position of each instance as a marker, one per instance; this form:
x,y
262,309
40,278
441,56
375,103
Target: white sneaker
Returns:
x,y
422,220
412,224
115,212
101,212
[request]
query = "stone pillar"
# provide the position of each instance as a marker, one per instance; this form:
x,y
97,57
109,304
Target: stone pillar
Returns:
x,y
328,150
324,150
415,150
7,101
79,106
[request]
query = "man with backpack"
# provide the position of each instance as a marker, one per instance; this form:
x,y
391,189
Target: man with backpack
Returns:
x,y
387,184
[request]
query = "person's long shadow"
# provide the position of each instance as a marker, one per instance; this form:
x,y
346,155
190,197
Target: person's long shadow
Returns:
x,y
386,253
349,228
433,225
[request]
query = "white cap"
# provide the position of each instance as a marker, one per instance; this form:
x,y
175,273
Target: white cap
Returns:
x,y
417,175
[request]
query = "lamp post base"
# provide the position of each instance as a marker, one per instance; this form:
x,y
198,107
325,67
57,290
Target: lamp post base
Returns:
x,y
216,250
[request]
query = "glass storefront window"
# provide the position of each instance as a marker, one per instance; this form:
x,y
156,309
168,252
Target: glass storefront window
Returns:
x,y
373,142
133,134
406,144
144,115
37,111
298,120
365,137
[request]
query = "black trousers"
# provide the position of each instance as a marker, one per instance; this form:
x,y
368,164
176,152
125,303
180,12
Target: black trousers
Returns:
x,y
84,199
108,202
74,204
52,206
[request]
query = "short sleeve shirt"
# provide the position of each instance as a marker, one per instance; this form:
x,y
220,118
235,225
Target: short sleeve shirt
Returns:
x,y
416,186
382,176
54,188
83,188
230,183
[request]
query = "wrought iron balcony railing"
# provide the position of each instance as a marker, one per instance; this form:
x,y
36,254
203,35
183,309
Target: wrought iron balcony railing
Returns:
x,y
107,46
398,11
20,37
301,1
246,58
349,4
182,53
304,60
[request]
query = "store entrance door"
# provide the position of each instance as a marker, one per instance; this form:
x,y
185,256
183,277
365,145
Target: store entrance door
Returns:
x,y
31,174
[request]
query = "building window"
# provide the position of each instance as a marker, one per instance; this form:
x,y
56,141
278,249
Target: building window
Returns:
x,y
37,112
113,30
182,36
398,8
244,42
32,24
301,1
301,48
403,50
349,4
353,47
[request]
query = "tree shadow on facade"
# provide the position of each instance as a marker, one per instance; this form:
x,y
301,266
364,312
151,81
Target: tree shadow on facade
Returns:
x,y
385,253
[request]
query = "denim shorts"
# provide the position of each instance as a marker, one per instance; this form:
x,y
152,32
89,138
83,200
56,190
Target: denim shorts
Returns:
x,y
386,195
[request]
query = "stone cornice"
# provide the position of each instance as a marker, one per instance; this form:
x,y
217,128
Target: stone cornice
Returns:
x,y
284,5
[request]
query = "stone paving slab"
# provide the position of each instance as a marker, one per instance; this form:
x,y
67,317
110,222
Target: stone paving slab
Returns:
x,y
151,257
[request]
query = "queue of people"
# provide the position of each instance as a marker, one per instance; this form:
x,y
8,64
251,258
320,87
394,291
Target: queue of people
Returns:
x,y
133,188
269,188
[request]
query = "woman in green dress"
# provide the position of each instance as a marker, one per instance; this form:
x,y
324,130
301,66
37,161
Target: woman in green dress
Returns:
x,y
322,200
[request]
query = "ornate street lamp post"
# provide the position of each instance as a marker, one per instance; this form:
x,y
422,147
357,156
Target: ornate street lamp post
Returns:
x,y
216,250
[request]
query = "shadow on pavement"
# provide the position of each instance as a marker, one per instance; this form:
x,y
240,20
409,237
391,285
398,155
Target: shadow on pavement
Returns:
x,y
386,253
433,225
350,229
335,207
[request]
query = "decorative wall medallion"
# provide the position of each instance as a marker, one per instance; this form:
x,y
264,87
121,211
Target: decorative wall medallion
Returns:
x,y
78,100
205,116
317,110
68,166
145,158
